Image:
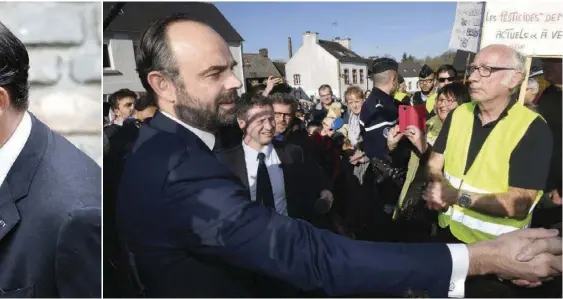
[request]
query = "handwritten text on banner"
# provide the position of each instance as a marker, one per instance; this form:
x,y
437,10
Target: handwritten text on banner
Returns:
x,y
467,26
531,27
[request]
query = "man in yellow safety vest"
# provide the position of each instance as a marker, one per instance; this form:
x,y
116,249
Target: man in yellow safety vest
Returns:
x,y
494,153
491,159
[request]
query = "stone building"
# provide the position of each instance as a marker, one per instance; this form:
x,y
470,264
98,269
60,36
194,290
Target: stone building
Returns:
x,y
64,42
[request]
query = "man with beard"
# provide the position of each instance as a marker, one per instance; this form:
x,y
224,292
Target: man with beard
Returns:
x,y
427,94
190,228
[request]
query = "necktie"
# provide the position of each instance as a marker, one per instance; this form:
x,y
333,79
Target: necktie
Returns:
x,y
264,193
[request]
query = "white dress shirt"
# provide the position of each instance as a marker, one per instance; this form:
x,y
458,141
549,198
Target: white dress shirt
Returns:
x,y
275,172
459,252
460,267
10,151
206,137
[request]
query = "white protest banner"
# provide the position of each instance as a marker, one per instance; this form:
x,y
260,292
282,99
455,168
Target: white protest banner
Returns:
x,y
535,28
467,26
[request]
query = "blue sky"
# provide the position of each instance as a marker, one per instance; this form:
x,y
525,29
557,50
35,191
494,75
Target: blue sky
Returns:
x,y
376,28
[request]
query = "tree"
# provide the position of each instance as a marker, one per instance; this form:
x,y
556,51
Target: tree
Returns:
x,y
404,57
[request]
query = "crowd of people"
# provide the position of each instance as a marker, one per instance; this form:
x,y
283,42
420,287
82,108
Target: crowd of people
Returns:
x,y
207,193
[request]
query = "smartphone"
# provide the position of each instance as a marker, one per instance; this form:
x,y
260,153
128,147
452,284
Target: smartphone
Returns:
x,y
412,116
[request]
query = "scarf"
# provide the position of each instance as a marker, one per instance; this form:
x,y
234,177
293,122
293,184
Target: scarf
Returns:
x,y
354,128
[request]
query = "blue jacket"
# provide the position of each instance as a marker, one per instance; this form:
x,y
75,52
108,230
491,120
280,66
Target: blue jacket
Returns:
x,y
193,231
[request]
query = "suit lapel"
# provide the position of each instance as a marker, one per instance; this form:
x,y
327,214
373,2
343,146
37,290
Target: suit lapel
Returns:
x,y
233,158
9,214
287,169
18,181
239,164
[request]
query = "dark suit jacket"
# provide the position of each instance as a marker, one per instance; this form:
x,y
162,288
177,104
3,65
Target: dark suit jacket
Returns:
x,y
51,221
191,230
302,185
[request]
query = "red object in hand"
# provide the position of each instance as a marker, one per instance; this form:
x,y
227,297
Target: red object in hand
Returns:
x,y
412,116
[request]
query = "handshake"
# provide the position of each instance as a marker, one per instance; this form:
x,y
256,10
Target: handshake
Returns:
x,y
526,256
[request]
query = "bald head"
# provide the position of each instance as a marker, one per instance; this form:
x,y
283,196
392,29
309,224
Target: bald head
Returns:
x,y
163,40
506,56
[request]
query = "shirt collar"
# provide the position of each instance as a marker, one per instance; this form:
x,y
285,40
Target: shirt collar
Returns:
x,y
267,150
10,151
206,137
503,114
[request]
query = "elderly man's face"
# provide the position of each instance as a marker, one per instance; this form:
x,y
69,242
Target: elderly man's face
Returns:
x,y
206,88
493,79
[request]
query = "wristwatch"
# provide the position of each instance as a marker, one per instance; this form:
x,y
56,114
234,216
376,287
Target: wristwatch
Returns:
x,y
464,201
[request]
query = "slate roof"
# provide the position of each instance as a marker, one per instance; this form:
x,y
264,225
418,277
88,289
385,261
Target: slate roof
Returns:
x,y
281,67
341,53
258,66
409,69
137,15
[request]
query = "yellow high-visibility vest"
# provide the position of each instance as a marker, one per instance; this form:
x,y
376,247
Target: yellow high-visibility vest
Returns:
x,y
430,102
399,96
488,174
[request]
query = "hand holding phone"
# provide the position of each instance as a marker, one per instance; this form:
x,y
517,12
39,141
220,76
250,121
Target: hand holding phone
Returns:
x,y
412,116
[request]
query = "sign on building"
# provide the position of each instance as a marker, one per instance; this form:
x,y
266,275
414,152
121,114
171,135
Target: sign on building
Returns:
x,y
535,28
467,26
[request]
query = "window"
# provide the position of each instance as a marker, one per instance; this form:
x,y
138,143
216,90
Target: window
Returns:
x,y
354,76
296,79
107,59
362,76
410,85
346,76
417,85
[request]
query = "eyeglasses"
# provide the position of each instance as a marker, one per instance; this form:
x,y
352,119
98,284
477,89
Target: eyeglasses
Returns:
x,y
449,79
447,101
486,71
427,81
280,115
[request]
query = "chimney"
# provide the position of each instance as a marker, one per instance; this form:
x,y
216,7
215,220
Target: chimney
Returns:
x,y
310,38
289,47
345,42
263,52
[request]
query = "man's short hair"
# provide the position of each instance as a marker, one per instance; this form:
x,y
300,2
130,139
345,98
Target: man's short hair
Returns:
x,y
284,99
248,101
325,86
144,102
447,68
154,53
14,67
114,98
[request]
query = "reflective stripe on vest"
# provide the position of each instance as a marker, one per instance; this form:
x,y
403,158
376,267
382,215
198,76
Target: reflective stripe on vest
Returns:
x,y
488,173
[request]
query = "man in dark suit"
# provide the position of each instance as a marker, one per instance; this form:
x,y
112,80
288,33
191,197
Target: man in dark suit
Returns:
x,y
275,174
297,189
50,216
191,230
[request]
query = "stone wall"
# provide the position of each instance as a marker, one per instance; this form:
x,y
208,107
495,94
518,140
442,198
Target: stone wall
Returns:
x,y
63,41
